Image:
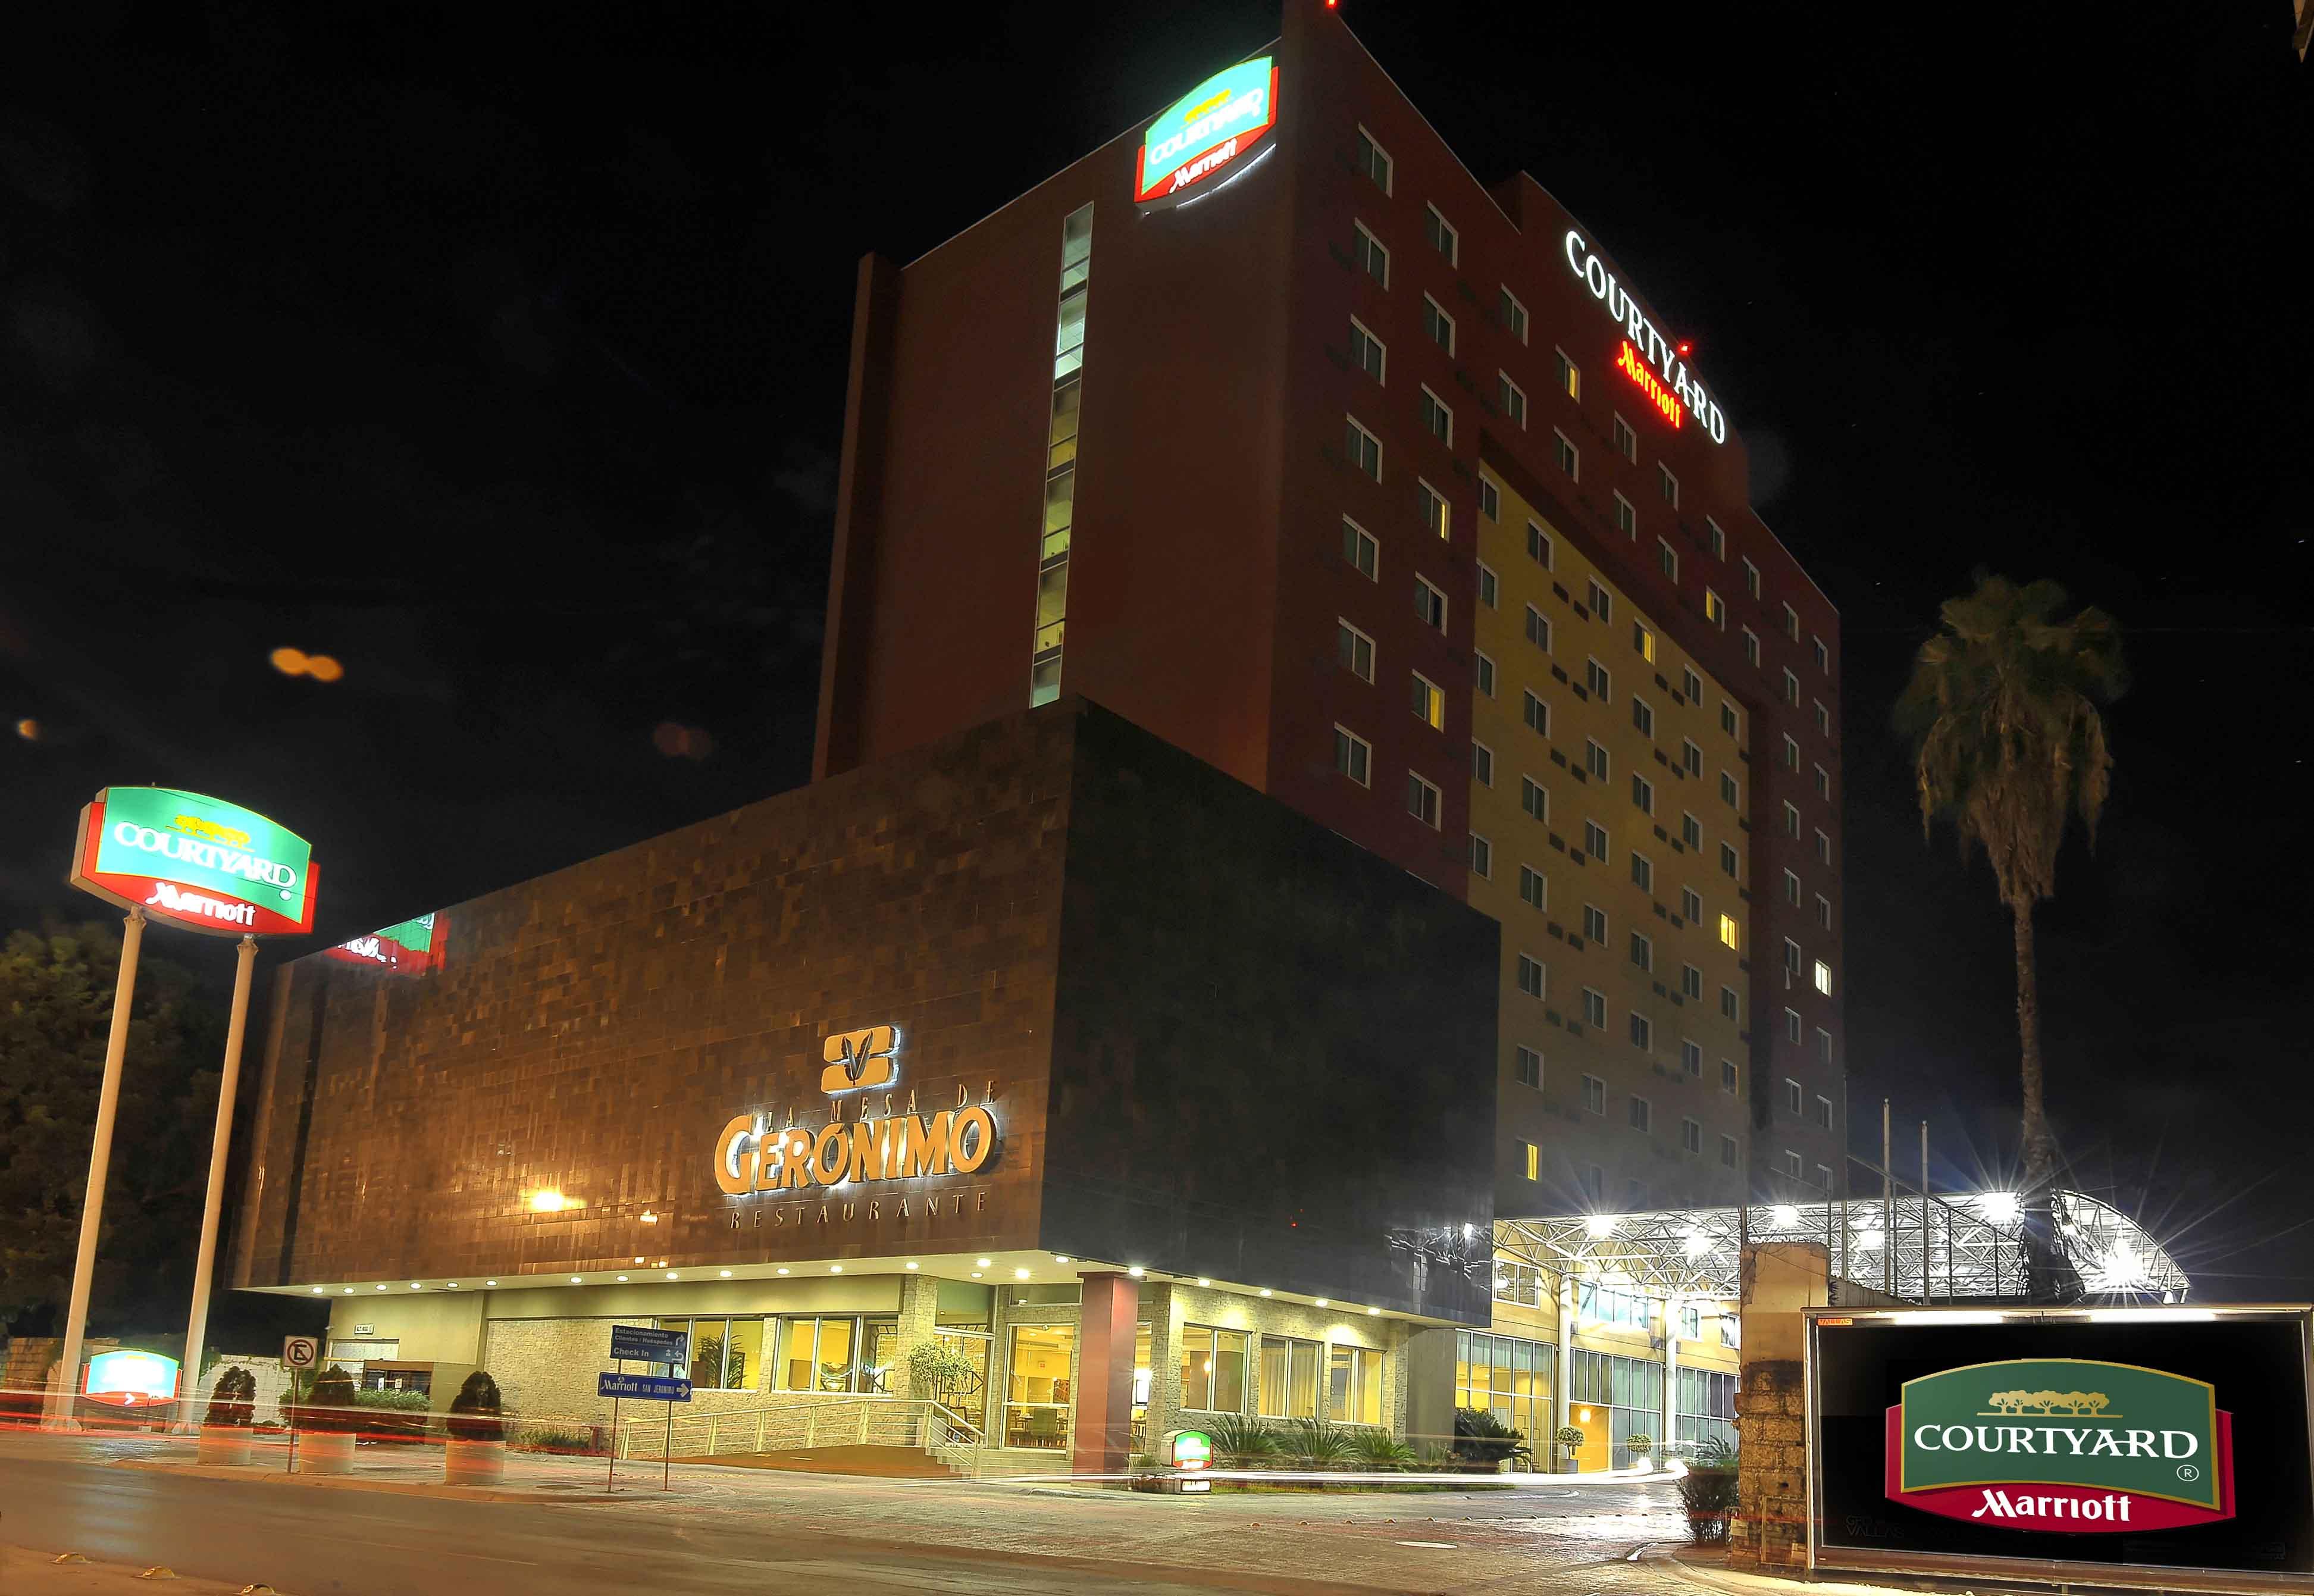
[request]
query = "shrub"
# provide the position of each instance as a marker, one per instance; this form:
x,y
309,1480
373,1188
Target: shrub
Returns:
x,y
1707,1491
579,1443
1569,1438
232,1398
1482,1439
1379,1449
330,1404
474,1413
1244,1442
1315,1443
1639,1442
395,1401
937,1369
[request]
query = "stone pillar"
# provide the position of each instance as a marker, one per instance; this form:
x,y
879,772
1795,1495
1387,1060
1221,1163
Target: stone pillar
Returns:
x,y
1769,1529
1104,1390
1666,1442
1563,1393
919,1297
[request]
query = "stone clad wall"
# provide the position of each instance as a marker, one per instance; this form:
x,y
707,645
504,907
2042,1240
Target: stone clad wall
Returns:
x,y
1772,1507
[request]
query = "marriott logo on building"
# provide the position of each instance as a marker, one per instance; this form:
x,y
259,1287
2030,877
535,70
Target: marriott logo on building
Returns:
x,y
2065,1444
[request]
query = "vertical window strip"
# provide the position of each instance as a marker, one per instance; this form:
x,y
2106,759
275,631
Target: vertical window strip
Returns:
x,y
1051,622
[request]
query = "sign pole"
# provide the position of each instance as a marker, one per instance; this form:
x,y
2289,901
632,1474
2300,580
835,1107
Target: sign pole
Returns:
x,y
667,1453
204,1261
99,1159
611,1451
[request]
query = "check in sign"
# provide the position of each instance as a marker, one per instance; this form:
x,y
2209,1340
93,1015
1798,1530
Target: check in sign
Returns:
x,y
645,1387
640,1344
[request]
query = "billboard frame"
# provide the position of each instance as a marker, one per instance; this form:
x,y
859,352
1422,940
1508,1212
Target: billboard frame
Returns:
x,y
2046,1571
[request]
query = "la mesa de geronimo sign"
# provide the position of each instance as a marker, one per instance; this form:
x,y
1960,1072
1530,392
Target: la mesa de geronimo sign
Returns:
x,y
902,1143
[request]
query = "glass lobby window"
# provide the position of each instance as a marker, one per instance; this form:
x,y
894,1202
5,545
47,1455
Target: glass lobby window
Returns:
x,y
1289,1377
833,1354
726,1354
1509,1376
1353,1385
1213,1369
1037,1385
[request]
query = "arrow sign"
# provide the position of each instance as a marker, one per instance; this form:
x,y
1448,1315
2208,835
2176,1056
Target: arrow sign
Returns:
x,y
642,1344
647,1387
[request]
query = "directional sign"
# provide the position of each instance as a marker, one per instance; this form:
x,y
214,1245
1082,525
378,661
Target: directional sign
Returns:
x,y
647,1387
300,1351
644,1344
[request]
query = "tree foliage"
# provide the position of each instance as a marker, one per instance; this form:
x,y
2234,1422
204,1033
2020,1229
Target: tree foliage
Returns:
x,y
55,1009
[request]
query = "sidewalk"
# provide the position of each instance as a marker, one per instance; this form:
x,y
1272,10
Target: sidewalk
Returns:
x,y
25,1572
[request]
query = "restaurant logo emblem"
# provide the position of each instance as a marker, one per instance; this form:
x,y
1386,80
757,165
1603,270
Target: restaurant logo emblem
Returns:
x,y
753,1155
860,1060
2074,1445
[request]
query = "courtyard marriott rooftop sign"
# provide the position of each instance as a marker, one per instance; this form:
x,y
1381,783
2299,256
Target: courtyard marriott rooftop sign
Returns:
x,y
2067,1444
1648,344
195,861
1222,120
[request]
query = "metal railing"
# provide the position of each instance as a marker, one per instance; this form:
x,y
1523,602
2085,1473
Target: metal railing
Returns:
x,y
865,1419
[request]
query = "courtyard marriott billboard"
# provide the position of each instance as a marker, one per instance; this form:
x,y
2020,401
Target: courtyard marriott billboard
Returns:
x,y
2118,1446
195,861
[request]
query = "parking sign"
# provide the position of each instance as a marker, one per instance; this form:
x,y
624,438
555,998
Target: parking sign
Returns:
x,y
300,1351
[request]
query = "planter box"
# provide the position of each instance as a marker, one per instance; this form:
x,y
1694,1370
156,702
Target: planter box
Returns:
x,y
473,1462
325,1451
223,1443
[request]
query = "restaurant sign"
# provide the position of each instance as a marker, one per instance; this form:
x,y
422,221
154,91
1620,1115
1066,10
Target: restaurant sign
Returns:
x,y
900,1142
2067,1444
1221,121
195,861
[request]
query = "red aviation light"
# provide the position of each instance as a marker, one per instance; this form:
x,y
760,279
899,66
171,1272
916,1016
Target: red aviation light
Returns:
x,y
1627,362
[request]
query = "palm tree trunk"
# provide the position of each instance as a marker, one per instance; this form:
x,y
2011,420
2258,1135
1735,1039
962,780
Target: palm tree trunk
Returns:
x,y
2049,1278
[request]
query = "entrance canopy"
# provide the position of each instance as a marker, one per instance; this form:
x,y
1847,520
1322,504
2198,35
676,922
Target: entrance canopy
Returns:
x,y
1967,1247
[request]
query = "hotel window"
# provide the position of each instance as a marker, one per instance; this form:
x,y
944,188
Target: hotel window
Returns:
x,y
1374,160
1537,629
1510,399
1824,977
1536,713
1440,233
1791,889
1824,910
1051,623
1627,442
1791,753
1627,519
1691,831
1366,351
1372,258
1823,782
1437,420
1437,326
1353,755
1422,801
1750,647
1643,716
1791,821
1691,1058
1569,461
1730,865
1642,1113
1430,605
1539,547
1363,449
1730,793
1727,721
1570,379
727,1354
1533,890
1821,1111
1509,1376
1482,857
1791,624
1690,756
1643,793
1792,1028
1718,538
1823,718
1514,314
1667,485
1643,644
1595,678
1353,1385
1594,1090
1750,579
1667,559
1642,1034
1602,602
1643,951
1822,1046
1529,976
1691,685
1490,499
1643,872
1594,841
1429,703
1714,609
1533,799
1793,1096
1355,651
1485,674
1791,688
1531,1156
1690,985
1728,1158
1595,923
1823,654
1530,1068
1823,848
1727,1076
1691,909
1482,764
1822,1183
1489,590
1434,509
1690,1140
1213,1369
1290,1384
1791,960
1793,1163
1359,550
1594,759
814,1355
1730,933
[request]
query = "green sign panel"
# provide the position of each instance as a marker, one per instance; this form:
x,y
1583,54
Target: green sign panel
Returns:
x,y
197,860
1219,121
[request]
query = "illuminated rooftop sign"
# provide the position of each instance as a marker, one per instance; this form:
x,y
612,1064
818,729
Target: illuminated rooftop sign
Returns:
x,y
1649,348
195,861
412,947
1222,120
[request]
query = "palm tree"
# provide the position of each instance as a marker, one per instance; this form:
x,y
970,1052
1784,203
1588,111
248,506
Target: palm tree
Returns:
x,y
2009,746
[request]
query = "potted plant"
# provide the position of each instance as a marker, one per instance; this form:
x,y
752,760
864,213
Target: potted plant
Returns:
x,y
1707,1491
475,1452
1640,1443
328,1419
1569,1438
939,1371
1483,1441
225,1427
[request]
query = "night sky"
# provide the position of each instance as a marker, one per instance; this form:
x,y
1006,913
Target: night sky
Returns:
x,y
500,353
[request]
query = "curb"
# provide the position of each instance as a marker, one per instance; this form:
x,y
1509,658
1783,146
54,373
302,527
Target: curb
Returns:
x,y
393,1488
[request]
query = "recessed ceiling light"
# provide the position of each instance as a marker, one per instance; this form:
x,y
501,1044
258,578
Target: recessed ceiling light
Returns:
x,y
1136,1271
638,1260
1061,1257
982,1261
727,1274
783,1270
452,1286
1373,1313
1324,1302
670,1275
349,1290
1267,1291
415,1286
622,1279
976,1275
1203,1281
836,1268
574,1280
912,1263
489,1283
1019,1274
319,1290
379,1287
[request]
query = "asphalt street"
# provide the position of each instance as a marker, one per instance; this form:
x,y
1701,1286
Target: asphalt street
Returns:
x,y
734,1531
